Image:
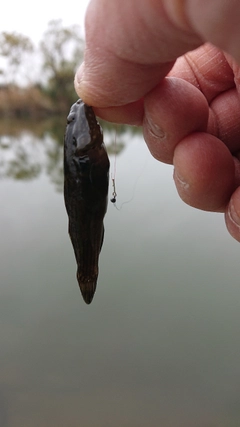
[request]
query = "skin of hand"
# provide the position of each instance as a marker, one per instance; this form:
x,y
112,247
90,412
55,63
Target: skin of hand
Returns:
x,y
172,67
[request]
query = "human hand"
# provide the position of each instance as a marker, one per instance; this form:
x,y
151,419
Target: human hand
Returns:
x,y
190,118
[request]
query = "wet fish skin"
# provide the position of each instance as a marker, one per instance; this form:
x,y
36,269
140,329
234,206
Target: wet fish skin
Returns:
x,y
86,178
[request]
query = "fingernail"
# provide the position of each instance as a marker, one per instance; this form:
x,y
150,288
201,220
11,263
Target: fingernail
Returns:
x,y
233,215
180,180
155,130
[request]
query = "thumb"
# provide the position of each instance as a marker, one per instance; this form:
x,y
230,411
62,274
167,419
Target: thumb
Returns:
x,y
132,45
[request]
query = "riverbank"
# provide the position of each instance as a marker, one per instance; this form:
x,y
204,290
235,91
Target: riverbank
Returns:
x,y
25,102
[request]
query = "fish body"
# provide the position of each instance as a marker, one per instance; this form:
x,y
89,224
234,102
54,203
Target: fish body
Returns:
x,y
86,178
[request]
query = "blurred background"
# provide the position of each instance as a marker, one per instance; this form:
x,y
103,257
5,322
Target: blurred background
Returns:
x,y
39,53
159,345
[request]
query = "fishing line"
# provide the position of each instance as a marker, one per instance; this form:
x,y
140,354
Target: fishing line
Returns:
x,y
113,177
133,191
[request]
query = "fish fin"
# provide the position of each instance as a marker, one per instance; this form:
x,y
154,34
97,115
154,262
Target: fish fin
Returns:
x,y
102,239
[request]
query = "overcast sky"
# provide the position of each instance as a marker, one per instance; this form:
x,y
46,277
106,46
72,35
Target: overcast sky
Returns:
x,y
30,18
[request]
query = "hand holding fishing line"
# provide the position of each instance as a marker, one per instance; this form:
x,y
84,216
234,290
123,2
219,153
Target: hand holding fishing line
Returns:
x,y
192,117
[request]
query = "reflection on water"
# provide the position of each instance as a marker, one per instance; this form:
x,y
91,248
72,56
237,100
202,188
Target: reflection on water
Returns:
x,y
26,154
159,345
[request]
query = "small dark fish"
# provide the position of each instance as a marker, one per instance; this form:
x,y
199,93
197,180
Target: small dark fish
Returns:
x,y
86,167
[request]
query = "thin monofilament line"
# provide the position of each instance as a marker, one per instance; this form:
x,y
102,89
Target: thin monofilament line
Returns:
x,y
115,156
113,174
113,178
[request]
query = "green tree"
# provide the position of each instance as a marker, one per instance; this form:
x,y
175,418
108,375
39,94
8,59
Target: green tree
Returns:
x,y
14,48
62,50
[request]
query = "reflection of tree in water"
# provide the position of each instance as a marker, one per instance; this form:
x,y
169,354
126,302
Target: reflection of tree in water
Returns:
x,y
25,157
17,160
18,164
116,137
24,154
54,164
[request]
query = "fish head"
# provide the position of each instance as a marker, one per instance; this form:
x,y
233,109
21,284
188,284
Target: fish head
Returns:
x,y
83,131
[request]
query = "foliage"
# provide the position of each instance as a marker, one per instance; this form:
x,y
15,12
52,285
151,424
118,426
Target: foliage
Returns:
x,y
62,50
13,48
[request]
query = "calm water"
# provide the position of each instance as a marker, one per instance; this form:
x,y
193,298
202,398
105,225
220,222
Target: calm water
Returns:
x,y
160,343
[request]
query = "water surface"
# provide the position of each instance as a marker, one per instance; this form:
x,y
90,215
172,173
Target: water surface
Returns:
x,y
159,345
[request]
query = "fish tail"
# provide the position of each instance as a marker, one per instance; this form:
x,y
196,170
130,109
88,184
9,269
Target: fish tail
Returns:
x,y
87,284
